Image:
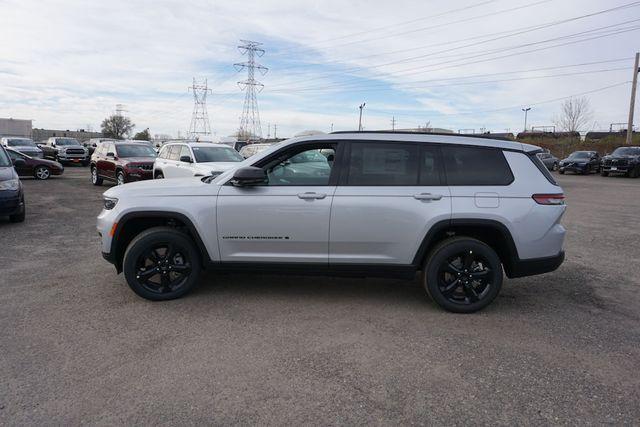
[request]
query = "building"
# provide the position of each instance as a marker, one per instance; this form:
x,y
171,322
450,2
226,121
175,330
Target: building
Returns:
x,y
15,127
80,134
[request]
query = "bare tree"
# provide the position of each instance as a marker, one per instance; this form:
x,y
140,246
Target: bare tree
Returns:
x,y
117,126
574,115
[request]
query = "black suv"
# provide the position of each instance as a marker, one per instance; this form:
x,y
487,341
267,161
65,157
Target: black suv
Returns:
x,y
11,194
623,160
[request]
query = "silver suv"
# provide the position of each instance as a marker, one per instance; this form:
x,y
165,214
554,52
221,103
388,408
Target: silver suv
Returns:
x,y
459,210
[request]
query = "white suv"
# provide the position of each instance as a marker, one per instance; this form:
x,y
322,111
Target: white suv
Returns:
x,y
458,209
183,159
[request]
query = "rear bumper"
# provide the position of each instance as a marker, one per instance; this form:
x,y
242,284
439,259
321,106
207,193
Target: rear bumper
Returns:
x,y
533,266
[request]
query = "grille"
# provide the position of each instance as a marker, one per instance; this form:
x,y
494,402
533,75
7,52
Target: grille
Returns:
x,y
75,151
617,162
146,167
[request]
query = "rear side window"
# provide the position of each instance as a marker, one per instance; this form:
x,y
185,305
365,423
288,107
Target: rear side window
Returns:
x,y
542,168
476,166
383,164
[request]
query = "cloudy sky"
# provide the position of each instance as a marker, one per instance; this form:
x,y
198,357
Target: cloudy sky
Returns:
x,y
461,64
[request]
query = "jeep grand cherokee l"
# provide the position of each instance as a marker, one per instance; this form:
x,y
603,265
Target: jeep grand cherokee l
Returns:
x,y
122,162
460,210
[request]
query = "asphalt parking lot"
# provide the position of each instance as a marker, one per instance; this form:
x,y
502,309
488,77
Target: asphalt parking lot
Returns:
x,y
79,347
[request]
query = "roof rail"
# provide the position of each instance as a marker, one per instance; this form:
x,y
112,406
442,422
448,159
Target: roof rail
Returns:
x,y
480,135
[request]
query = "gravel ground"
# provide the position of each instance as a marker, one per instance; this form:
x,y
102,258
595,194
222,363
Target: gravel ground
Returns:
x,y
77,346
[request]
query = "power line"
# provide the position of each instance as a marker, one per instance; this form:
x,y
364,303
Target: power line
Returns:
x,y
250,120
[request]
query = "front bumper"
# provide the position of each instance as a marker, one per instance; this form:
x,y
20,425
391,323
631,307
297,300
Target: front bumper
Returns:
x,y
133,175
11,203
617,169
574,168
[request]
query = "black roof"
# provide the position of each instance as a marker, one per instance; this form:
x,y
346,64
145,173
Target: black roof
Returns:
x,y
481,136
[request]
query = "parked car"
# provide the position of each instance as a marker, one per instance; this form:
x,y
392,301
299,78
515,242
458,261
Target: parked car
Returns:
x,y
23,145
93,143
582,162
65,150
253,149
31,166
181,159
459,209
549,160
624,160
122,162
11,192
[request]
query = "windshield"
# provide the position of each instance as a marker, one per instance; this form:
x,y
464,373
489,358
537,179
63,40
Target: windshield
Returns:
x,y
4,158
135,151
216,154
308,157
20,143
67,141
626,151
579,155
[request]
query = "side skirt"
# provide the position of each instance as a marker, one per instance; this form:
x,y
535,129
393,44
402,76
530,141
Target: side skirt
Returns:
x,y
314,269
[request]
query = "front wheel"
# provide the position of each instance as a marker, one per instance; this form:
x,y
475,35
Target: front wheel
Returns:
x,y
95,179
42,172
161,263
463,275
159,175
120,178
554,167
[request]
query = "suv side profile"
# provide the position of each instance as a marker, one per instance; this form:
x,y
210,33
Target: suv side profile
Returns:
x,y
460,210
122,162
183,159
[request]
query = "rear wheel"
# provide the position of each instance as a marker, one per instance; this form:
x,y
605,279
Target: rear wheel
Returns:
x,y
161,264
19,217
42,172
463,275
95,179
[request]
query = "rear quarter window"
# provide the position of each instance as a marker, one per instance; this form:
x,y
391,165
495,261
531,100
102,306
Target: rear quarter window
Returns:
x,y
476,166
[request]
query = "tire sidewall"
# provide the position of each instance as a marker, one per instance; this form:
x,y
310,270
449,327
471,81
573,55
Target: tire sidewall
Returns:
x,y
118,174
35,172
449,248
152,237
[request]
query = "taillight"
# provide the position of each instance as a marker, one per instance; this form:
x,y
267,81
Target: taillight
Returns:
x,y
549,199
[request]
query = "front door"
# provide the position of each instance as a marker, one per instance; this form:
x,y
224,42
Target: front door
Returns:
x,y
389,196
287,218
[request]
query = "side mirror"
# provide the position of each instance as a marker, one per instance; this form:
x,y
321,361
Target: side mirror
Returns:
x,y
186,159
53,144
249,175
19,163
111,155
84,144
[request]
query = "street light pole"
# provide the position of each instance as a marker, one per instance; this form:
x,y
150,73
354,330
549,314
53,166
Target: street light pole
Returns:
x,y
360,119
633,99
526,110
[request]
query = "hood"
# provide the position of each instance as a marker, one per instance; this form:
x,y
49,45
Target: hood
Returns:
x,y
148,160
7,173
217,166
27,149
191,186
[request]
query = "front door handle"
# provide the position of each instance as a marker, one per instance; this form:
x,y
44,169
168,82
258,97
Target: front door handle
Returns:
x,y
427,196
311,195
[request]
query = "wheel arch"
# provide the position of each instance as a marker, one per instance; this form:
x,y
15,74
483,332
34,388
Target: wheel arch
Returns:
x,y
133,223
492,232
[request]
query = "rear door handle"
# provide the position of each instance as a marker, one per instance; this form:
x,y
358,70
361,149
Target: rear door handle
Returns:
x,y
311,195
427,196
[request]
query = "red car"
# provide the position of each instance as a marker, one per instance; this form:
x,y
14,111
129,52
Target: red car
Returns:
x,y
122,162
33,166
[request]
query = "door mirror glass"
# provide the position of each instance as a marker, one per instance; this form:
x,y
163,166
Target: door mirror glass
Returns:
x,y
111,155
186,159
249,175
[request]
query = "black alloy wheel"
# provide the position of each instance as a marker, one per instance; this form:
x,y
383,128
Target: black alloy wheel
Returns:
x,y
463,275
161,263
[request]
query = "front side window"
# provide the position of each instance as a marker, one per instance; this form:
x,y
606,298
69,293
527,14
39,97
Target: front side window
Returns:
x,y
135,151
185,152
174,152
476,166
4,158
383,164
216,154
284,171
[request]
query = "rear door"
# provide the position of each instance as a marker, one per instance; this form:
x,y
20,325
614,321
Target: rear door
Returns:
x,y
170,167
389,195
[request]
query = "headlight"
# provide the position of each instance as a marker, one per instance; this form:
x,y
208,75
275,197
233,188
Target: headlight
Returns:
x,y
215,173
11,184
110,203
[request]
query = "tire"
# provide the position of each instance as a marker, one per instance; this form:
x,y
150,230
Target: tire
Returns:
x,y
159,175
635,172
19,217
41,172
162,283
120,178
561,172
85,163
444,280
554,167
603,173
95,179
